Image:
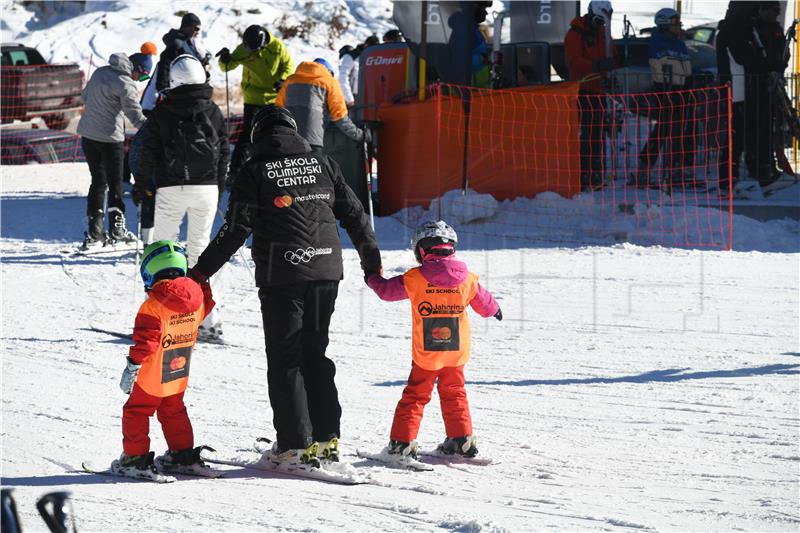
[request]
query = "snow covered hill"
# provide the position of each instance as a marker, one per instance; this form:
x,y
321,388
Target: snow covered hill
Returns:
x,y
628,388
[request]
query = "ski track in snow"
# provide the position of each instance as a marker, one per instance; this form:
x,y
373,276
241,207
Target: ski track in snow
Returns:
x,y
660,395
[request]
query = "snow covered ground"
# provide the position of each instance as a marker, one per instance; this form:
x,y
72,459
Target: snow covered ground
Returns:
x,y
627,388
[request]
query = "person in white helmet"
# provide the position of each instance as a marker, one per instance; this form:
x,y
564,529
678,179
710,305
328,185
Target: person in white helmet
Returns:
x,y
186,148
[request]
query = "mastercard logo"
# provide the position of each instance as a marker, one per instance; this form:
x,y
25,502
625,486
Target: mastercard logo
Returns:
x,y
177,363
282,201
441,334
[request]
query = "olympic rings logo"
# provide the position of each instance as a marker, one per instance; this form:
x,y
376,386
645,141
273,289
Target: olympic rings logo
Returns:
x,y
300,255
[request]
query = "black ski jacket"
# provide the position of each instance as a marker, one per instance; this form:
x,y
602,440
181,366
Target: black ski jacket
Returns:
x,y
290,198
176,43
183,103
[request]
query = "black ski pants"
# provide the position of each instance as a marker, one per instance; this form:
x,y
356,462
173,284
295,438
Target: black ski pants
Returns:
x,y
106,161
758,113
305,402
591,113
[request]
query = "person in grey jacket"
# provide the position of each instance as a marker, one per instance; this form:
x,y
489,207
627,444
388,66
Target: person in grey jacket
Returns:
x,y
110,94
314,97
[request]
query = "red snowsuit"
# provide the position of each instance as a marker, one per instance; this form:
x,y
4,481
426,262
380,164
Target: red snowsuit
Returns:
x,y
583,46
163,338
439,291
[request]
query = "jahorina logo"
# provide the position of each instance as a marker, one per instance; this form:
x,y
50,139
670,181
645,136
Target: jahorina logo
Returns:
x,y
427,309
181,338
178,363
441,334
282,201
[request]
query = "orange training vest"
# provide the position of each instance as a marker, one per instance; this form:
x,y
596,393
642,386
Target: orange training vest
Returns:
x,y
166,372
440,325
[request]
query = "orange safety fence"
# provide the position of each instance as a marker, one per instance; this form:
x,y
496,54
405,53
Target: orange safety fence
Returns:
x,y
652,167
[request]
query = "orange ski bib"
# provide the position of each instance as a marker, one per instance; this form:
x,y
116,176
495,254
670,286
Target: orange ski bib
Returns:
x,y
440,325
166,372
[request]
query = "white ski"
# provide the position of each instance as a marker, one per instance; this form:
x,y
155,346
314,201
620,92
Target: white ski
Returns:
x,y
438,456
109,248
779,185
302,471
395,460
264,445
130,473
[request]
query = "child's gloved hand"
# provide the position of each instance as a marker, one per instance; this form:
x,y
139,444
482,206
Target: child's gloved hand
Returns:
x,y
129,376
499,314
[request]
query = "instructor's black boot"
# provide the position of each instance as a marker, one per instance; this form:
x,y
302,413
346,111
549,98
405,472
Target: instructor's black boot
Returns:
x,y
117,232
95,237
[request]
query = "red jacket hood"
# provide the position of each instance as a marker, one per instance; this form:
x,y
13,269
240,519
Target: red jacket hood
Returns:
x,y
445,272
182,295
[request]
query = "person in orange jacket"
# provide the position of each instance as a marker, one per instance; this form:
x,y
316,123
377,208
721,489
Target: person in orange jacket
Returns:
x,y
314,97
586,54
157,372
440,290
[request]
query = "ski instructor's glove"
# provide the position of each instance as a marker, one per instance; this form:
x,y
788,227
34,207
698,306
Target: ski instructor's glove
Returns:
x,y
129,376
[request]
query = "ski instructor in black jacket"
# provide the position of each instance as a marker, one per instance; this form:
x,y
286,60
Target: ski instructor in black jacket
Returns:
x,y
289,199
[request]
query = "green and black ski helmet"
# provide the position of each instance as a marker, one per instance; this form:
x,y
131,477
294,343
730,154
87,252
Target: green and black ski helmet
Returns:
x,y
162,259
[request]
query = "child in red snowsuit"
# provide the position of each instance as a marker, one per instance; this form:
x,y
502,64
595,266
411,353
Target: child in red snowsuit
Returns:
x,y
157,373
440,290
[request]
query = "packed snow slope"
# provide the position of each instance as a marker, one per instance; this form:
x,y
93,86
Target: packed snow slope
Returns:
x,y
627,388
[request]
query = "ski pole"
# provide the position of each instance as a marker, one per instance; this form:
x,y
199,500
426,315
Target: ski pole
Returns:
x,y
138,242
368,166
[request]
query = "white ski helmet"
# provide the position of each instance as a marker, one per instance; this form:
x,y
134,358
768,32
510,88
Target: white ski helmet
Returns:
x,y
601,10
186,70
664,16
432,233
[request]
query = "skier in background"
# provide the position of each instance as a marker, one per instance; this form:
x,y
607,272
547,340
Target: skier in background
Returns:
x,y
586,55
440,290
185,146
348,69
110,95
179,42
157,372
290,198
313,97
670,68
266,63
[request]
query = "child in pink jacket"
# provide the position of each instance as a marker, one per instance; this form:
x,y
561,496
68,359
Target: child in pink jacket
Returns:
x,y
440,290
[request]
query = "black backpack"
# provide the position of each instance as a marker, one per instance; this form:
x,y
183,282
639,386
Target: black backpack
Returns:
x,y
193,148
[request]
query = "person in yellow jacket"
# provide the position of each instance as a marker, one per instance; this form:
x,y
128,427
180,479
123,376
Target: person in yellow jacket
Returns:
x,y
266,63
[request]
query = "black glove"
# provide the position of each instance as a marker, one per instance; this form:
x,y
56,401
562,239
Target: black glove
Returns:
x,y
278,85
224,55
140,193
602,65
367,136
499,314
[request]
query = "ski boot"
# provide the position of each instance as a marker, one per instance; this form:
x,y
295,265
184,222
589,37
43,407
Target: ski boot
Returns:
x,y
186,457
95,238
296,456
118,232
329,450
466,446
211,334
400,447
135,464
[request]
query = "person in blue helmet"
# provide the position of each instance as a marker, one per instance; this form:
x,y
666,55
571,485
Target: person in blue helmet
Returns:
x,y
314,97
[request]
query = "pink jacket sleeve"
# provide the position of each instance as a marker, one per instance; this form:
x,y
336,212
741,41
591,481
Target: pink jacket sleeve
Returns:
x,y
389,290
484,303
